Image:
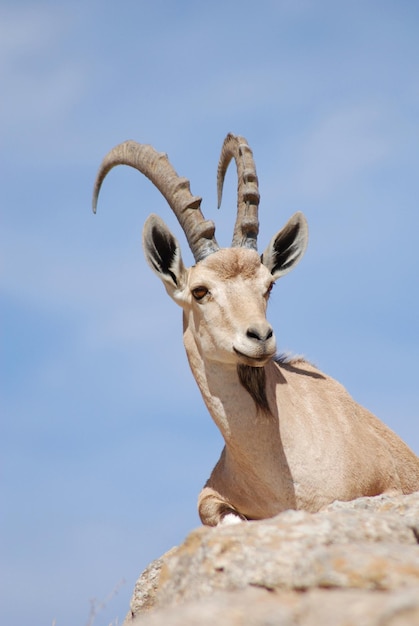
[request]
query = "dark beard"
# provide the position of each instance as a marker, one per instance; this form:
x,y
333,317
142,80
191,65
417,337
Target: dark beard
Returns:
x,y
253,379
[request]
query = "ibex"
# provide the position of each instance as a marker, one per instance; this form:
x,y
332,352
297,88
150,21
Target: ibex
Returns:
x,y
294,438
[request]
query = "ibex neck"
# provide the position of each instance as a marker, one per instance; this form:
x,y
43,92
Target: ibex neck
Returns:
x,y
228,402
254,457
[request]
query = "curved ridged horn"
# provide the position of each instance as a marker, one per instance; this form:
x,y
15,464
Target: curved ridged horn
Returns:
x,y
157,168
247,224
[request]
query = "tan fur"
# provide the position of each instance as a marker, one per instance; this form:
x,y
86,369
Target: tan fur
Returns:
x,y
228,266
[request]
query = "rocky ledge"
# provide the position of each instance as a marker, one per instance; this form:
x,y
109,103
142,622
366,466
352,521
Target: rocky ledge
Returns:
x,y
352,563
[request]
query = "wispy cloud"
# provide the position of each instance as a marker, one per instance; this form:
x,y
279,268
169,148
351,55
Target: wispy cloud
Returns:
x,y
40,83
341,147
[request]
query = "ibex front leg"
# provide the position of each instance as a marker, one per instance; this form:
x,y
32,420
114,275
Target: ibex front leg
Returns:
x,y
215,510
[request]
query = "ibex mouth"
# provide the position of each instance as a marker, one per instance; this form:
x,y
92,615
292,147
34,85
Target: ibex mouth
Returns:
x,y
253,361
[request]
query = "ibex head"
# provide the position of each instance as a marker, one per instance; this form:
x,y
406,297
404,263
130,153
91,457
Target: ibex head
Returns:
x,y
224,296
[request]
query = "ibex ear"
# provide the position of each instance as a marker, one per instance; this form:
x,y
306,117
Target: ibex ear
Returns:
x,y
287,247
162,252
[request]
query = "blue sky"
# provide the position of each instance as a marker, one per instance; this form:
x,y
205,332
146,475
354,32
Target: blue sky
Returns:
x,y
105,442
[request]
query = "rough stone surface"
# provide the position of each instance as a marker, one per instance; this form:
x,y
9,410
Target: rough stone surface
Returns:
x,y
352,563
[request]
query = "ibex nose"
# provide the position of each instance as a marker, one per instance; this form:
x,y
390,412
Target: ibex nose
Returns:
x,y
259,332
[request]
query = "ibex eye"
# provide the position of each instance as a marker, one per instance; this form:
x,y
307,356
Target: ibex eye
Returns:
x,y
269,289
199,292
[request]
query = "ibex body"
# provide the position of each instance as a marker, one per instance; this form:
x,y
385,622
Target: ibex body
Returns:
x,y
294,438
